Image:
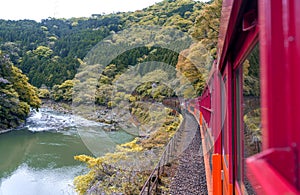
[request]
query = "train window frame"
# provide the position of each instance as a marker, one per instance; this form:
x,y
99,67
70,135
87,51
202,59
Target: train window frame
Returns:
x,y
224,130
238,123
238,128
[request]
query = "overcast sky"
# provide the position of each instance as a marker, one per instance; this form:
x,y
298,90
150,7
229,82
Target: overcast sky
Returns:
x,y
41,9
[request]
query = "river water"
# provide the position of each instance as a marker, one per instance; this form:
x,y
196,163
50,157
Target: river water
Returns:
x,y
39,159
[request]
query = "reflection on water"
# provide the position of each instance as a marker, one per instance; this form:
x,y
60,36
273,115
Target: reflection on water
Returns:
x,y
39,159
38,150
29,181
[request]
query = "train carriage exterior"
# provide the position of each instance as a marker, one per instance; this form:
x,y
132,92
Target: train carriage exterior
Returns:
x,y
275,26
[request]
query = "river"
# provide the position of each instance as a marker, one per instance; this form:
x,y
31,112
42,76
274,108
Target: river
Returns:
x,y
38,159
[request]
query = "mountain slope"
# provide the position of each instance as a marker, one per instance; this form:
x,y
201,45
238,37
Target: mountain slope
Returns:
x,y
68,40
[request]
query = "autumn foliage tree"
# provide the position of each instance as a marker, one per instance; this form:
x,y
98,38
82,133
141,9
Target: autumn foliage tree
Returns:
x,y
207,24
16,95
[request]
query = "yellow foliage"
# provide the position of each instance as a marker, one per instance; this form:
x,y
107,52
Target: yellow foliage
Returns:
x,y
133,146
111,104
43,51
107,176
21,86
90,161
114,157
43,93
83,182
132,98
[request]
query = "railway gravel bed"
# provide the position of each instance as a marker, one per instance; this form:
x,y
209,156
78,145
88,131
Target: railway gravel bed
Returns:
x,y
190,177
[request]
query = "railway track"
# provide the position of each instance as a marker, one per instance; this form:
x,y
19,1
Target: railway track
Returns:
x,y
190,174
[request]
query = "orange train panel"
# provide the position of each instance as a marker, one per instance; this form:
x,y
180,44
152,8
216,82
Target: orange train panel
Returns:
x,y
226,182
200,119
206,159
216,174
227,186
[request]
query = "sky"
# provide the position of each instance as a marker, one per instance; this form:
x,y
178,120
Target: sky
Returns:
x,y
42,9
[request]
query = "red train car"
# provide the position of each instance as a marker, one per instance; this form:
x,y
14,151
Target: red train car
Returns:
x,y
273,28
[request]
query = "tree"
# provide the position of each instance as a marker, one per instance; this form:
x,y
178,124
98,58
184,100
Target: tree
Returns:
x,y
206,28
63,92
42,51
16,95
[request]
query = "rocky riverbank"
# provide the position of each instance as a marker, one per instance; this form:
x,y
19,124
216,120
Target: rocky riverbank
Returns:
x,y
5,130
101,115
11,129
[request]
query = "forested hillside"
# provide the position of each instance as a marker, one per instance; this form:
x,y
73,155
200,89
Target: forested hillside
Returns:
x,y
48,51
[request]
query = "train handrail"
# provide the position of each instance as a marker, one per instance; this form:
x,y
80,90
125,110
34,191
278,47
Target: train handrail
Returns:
x,y
207,109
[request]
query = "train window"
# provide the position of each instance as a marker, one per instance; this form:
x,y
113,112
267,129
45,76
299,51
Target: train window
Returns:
x,y
225,145
239,136
251,104
249,130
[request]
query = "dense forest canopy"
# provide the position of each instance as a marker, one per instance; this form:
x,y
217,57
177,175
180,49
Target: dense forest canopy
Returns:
x,y
51,51
48,51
